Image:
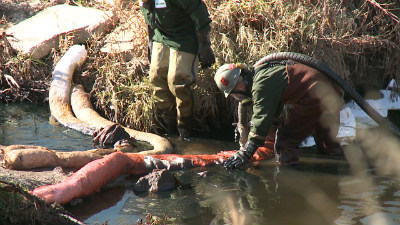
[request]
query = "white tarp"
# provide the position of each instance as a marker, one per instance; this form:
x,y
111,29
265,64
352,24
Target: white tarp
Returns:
x,y
353,117
38,35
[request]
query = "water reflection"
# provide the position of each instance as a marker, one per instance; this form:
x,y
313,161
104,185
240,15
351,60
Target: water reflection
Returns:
x,y
22,123
321,190
259,195
376,204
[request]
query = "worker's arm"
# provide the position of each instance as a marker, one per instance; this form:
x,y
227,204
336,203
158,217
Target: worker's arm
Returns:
x,y
197,11
199,14
268,87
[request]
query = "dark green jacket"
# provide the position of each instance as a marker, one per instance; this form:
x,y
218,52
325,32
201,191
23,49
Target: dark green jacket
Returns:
x,y
176,22
269,84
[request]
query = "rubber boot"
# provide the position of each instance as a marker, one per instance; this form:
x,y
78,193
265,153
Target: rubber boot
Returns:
x,y
327,144
328,147
286,152
287,156
166,121
185,127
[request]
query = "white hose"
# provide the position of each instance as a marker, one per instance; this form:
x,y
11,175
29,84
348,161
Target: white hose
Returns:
x,y
86,119
60,89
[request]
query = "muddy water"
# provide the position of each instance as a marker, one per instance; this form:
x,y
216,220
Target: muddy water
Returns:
x,y
320,191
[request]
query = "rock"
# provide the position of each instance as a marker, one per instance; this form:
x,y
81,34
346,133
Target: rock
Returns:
x,y
158,180
37,35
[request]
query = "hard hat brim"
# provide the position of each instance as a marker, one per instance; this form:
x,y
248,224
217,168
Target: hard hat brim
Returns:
x,y
227,93
226,78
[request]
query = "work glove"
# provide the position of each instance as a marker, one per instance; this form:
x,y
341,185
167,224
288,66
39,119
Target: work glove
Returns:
x,y
206,54
150,32
241,157
184,134
109,135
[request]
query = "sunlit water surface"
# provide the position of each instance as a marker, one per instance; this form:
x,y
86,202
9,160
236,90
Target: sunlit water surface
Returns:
x,y
320,191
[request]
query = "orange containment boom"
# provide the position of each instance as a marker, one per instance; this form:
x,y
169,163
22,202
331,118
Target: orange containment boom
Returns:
x,y
98,173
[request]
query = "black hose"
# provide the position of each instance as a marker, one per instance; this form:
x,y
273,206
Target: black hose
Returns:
x,y
318,65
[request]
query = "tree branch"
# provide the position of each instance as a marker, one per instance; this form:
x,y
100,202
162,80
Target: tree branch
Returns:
x,y
378,6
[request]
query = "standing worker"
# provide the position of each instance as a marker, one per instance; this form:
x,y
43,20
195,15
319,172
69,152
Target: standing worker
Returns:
x,y
315,107
178,39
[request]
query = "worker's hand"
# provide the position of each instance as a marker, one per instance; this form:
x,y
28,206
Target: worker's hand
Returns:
x,y
150,32
241,157
107,136
206,54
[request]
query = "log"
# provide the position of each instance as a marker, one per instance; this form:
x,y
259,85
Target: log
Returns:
x,y
34,210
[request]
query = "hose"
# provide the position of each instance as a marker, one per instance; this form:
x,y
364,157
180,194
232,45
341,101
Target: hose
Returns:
x,y
326,70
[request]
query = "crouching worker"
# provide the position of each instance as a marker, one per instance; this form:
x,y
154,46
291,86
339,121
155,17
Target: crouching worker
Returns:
x,y
178,40
315,107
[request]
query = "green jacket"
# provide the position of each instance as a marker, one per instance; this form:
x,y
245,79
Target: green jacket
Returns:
x,y
269,84
176,22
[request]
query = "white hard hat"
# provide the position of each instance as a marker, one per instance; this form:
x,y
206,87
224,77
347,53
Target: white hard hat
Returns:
x,y
226,77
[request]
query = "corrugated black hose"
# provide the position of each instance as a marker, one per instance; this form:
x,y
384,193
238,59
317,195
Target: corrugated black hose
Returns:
x,y
325,69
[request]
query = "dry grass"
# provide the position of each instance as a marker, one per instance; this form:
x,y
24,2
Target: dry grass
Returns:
x,y
357,39
351,38
22,78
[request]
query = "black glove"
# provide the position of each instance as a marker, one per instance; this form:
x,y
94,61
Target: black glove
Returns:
x,y
150,32
206,54
241,157
109,135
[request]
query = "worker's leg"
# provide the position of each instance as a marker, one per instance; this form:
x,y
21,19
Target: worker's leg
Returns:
x,y
316,110
298,125
164,100
328,125
325,141
182,73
